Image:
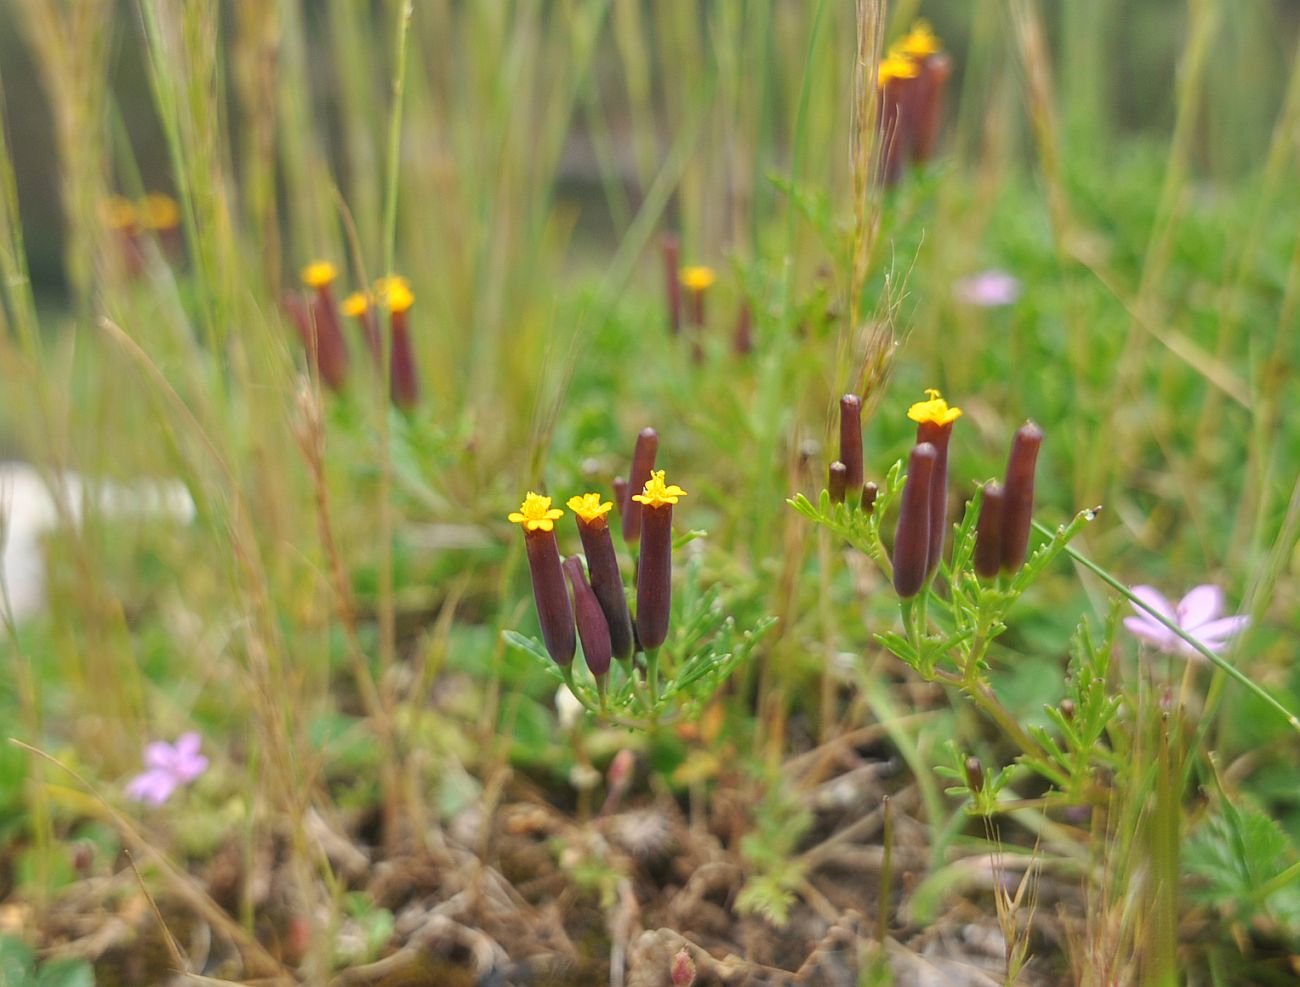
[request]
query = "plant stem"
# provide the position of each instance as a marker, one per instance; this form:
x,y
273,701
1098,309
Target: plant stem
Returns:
x,y
652,675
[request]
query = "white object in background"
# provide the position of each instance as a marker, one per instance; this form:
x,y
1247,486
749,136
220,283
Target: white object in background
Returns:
x,y
29,509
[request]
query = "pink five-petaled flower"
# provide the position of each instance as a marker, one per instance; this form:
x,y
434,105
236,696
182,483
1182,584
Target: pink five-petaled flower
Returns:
x,y
168,766
1197,614
988,289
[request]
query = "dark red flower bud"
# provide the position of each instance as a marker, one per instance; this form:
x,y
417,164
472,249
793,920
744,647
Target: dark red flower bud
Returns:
x,y
554,613
643,462
593,631
837,481
742,343
937,435
988,536
405,377
621,493
974,774
607,582
654,581
931,82
851,442
670,247
912,540
1018,509
1067,709
316,321
869,493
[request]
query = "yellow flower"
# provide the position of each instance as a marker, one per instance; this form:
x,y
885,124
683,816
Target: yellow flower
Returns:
x,y
355,304
698,278
896,65
657,493
159,212
395,290
589,507
319,273
921,41
119,214
935,410
536,513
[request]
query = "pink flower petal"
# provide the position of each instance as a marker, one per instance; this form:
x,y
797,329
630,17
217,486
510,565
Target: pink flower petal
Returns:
x,y
191,768
1154,599
187,744
154,787
1217,633
159,755
1150,632
1200,606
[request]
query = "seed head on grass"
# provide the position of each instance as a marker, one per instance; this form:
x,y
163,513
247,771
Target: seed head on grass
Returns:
x,y
934,420
654,586
592,518
554,614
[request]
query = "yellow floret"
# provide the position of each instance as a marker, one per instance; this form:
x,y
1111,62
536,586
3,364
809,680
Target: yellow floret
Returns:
x,y
921,41
536,513
698,278
657,493
396,293
589,507
319,273
935,410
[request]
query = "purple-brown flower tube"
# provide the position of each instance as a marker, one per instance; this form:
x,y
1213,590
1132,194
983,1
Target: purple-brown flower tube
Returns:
x,y
593,631
643,463
742,341
988,535
554,613
912,540
318,325
670,247
602,564
851,443
654,581
405,380
869,492
895,85
1018,509
935,70
934,420
837,481
620,496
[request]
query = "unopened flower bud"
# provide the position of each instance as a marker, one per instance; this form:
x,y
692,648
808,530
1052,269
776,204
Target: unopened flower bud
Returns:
x,y
1017,512
643,463
837,480
670,248
869,493
974,774
912,540
851,442
1067,709
988,535
593,630
602,565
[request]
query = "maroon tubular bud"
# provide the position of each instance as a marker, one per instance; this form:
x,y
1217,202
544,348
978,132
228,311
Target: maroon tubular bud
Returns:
x,y
670,246
697,310
369,323
607,584
1019,493
931,81
593,631
317,324
405,379
742,341
554,613
869,493
912,540
938,436
837,481
654,578
621,494
988,536
851,441
974,774
643,462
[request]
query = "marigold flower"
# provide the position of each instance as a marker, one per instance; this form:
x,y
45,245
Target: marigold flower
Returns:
x,y
654,586
851,443
159,212
921,41
896,65
593,629
554,612
988,535
319,273
934,420
602,565
394,292
536,513
1018,509
657,493
912,539
698,278
643,462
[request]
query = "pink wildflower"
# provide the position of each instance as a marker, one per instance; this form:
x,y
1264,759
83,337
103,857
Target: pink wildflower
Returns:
x,y
988,289
1197,614
167,767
